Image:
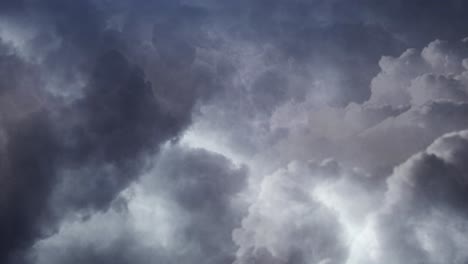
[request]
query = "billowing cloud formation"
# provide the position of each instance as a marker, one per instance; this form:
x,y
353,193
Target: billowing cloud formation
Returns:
x,y
287,225
78,117
400,219
85,155
423,219
416,97
233,132
420,218
181,211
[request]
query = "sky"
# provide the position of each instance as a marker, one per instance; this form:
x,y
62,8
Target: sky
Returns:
x,y
233,132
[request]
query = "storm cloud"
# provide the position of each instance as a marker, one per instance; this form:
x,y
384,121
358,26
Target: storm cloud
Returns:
x,y
237,132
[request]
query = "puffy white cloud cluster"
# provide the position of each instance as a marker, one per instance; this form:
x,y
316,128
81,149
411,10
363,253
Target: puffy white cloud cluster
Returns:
x,y
324,213
306,213
414,214
414,99
287,224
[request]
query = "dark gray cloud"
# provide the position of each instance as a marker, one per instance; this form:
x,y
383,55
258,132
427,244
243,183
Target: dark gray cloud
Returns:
x,y
182,210
28,159
78,117
418,22
205,186
86,154
423,218
90,91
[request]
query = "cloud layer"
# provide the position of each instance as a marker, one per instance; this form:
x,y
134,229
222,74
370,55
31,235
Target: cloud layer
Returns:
x,y
288,132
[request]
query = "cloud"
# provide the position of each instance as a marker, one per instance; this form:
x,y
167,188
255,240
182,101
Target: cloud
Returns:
x,y
95,96
412,103
182,210
29,152
79,116
415,77
82,157
417,24
287,224
423,217
416,98
416,215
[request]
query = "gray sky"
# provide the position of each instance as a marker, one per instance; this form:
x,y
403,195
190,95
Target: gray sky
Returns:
x,y
233,132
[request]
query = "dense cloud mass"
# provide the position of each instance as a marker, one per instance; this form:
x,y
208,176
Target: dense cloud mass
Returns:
x,y
423,217
180,211
233,132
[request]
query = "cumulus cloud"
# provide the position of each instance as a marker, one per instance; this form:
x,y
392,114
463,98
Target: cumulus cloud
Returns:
x,y
180,211
412,103
85,154
287,222
78,118
416,98
232,132
422,219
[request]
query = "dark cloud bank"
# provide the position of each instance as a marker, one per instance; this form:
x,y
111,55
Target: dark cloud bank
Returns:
x,y
289,132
